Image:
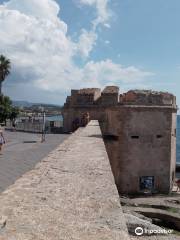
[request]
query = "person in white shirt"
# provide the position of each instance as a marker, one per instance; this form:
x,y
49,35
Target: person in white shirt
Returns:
x,y
2,140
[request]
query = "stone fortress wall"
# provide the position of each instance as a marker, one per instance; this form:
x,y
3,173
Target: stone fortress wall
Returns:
x,y
139,130
70,194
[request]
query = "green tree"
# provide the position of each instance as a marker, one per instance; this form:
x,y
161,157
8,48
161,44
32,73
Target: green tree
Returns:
x,y
14,113
5,66
7,111
5,108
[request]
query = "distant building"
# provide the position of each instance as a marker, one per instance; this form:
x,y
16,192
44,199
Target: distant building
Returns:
x,y
139,130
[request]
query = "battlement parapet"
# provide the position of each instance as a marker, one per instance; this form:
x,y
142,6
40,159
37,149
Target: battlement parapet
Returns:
x,y
147,97
87,96
90,91
111,90
110,97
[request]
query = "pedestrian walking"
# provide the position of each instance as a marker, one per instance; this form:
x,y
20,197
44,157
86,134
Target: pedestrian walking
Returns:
x,y
14,124
2,139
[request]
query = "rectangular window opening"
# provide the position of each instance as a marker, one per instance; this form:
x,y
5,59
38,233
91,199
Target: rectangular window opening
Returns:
x,y
110,137
159,136
135,137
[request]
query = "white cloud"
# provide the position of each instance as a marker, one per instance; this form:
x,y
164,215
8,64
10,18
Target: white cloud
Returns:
x,y
46,9
38,48
103,12
86,43
87,39
42,54
106,71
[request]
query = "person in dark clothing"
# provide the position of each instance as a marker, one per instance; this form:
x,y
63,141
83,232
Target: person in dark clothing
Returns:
x,y
75,124
85,119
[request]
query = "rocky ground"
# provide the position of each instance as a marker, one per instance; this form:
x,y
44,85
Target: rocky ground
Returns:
x,y
153,214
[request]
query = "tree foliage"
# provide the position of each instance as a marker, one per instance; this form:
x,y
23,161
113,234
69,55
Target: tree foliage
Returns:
x,y
14,113
7,111
5,66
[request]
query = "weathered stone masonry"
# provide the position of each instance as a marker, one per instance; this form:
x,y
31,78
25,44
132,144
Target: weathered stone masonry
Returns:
x,y
139,129
70,195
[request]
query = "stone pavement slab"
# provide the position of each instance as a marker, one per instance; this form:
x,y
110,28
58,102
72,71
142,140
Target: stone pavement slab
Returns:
x,y
22,152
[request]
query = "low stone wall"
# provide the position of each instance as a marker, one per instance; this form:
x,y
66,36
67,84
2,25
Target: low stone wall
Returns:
x,y
70,195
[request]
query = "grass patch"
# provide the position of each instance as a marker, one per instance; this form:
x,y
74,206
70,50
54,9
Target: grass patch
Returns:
x,y
173,210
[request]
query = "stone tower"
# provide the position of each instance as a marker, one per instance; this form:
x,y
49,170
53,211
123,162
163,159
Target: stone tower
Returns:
x,y
139,131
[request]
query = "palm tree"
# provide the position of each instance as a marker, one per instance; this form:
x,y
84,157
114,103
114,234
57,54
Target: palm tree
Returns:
x,y
5,66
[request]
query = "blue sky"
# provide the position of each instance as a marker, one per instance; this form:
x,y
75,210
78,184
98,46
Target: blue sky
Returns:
x,y
82,43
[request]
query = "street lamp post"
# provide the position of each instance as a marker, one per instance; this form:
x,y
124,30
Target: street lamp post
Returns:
x,y
44,128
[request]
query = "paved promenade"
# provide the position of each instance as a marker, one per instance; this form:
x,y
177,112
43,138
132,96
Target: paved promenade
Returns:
x,y
70,195
22,152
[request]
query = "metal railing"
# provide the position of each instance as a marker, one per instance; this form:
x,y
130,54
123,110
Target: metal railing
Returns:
x,y
37,126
